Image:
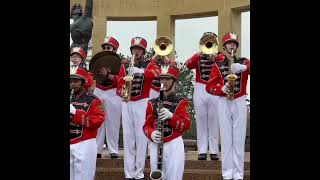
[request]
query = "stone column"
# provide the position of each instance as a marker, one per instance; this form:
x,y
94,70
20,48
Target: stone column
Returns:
x,y
229,20
99,33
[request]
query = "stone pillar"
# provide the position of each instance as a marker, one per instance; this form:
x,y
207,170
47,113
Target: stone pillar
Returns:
x,y
229,20
98,33
166,27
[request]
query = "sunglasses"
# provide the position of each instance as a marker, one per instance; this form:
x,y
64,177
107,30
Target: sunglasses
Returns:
x,y
106,48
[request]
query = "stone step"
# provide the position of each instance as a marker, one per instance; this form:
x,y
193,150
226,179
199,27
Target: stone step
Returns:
x,y
189,174
189,164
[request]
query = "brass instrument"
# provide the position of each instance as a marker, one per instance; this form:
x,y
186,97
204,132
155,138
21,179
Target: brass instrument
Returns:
x,y
208,44
162,47
157,174
231,78
106,59
126,89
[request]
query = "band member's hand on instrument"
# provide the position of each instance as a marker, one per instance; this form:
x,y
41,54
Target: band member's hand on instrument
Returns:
x,y
122,90
156,136
124,61
165,114
104,71
72,109
200,54
225,88
212,57
237,68
155,56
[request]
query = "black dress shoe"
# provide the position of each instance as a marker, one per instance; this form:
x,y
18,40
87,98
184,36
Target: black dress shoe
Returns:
x,y
148,156
214,157
114,156
99,156
202,156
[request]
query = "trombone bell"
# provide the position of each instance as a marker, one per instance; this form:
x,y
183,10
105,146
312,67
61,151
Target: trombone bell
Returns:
x,y
163,46
209,44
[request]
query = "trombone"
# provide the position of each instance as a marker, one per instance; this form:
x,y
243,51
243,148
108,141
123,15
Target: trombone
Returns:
x,y
208,44
162,47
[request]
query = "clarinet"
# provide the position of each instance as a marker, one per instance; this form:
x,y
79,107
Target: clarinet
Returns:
x,y
71,99
71,95
157,174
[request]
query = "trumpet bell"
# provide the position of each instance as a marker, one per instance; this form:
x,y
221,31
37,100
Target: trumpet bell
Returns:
x,y
163,46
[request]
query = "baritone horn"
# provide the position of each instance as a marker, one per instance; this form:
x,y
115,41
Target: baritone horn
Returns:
x,y
209,44
162,47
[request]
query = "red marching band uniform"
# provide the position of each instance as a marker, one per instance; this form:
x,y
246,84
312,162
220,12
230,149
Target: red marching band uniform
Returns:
x,y
173,147
86,117
83,54
232,113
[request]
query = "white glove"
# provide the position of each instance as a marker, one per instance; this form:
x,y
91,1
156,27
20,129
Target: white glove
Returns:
x,y
237,68
156,136
165,114
72,109
134,70
225,88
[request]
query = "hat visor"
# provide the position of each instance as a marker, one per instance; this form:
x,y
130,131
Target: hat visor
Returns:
x,y
167,76
107,43
137,45
76,77
231,40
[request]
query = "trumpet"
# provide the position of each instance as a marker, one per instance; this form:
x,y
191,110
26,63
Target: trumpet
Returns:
x,y
157,174
162,47
126,89
231,78
208,44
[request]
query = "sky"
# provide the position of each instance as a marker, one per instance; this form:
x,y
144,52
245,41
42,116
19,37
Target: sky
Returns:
x,y
187,35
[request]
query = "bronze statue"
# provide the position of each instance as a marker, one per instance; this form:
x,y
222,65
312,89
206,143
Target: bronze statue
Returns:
x,y
81,28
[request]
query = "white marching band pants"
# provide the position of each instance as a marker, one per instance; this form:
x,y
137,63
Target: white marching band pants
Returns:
x,y
173,159
134,139
205,106
111,125
233,120
83,156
